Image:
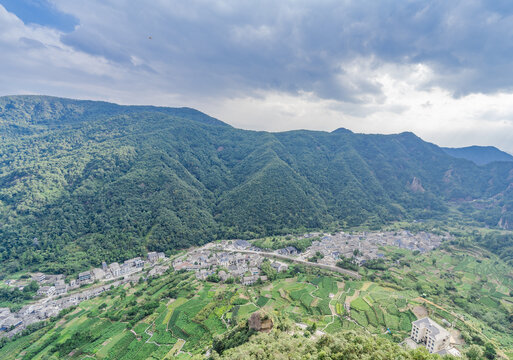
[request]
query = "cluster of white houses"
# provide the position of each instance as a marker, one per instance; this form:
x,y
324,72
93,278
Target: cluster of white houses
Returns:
x,y
116,270
51,285
32,313
54,289
239,266
367,246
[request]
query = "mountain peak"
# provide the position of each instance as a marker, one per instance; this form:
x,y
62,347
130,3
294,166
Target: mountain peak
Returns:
x,y
480,155
342,131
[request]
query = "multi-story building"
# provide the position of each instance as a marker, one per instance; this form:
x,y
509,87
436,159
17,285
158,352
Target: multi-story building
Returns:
x,y
430,334
115,269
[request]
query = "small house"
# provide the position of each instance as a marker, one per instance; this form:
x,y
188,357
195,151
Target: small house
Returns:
x,y
46,290
10,322
98,274
241,244
39,277
61,289
153,256
84,276
139,263
249,280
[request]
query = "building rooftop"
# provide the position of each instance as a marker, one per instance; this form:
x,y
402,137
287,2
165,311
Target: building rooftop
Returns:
x,y
434,329
242,243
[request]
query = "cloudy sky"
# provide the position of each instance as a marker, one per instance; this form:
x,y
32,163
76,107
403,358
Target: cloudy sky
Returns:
x,y
442,69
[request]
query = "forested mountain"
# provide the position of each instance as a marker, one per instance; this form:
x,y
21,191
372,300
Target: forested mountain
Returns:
x,y
83,181
481,155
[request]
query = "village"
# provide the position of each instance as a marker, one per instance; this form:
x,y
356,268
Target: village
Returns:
x,y
225,260
365,246
240,260
57,294
228,261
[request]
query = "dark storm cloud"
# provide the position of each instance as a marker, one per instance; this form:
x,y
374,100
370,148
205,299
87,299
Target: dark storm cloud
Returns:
x,y
293,46
433,67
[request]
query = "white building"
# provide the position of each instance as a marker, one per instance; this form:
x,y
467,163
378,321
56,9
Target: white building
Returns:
x,y
61,289
98,274
429,333
115,269
46,290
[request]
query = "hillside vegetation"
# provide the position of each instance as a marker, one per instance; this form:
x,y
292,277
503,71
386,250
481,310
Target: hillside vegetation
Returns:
x,y
481,155
178,316
82,182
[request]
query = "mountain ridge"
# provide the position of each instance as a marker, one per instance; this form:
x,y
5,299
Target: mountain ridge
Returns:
x,y
481,155
103,184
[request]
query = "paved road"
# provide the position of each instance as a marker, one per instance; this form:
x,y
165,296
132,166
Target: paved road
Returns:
x,y
302,262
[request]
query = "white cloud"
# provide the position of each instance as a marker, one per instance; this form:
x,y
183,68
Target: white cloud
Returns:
x,y
281,66
434,114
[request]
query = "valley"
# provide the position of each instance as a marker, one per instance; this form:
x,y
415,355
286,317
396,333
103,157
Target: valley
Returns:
x,y
83,182
256,180
175,234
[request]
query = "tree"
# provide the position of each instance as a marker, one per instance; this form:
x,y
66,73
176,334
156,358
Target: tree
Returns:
x,y
489,351
32,287
268,270
474,352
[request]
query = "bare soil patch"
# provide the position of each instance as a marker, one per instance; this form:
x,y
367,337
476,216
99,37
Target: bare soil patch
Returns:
x,y
456,338
420,311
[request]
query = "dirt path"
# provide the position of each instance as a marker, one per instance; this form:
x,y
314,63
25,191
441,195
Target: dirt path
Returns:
x,y
151,335
333,309
336,298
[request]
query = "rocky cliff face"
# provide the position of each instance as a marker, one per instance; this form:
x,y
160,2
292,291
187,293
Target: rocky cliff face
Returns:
x,y
416,185
505,224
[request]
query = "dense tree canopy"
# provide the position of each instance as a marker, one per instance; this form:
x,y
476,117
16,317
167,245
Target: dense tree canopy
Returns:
x,y
344,345
82,182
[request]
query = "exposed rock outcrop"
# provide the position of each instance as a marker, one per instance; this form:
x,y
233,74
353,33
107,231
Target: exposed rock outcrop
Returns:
x,y
505,224
416,185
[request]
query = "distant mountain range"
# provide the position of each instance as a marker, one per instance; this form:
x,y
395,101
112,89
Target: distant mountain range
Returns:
x,y
84,181
481,155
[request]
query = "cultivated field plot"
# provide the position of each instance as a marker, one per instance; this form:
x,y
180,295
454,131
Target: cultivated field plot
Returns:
x,y
177,316
467,287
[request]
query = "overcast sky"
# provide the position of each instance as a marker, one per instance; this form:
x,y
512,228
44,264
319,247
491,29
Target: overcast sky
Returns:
x,y
442,69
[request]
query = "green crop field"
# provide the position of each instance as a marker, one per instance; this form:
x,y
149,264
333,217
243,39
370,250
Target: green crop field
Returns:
x,y
178,316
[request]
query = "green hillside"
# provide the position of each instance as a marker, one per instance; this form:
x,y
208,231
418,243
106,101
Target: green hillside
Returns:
x,y
83,181
481,155
178,316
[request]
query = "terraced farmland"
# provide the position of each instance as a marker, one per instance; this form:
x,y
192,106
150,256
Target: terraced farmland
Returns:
x,y
177,316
